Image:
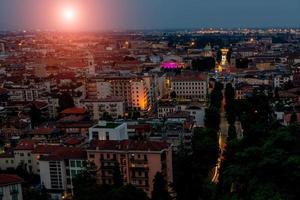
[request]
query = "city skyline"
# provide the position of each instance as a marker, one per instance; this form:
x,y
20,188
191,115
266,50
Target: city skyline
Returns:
x,y
142,15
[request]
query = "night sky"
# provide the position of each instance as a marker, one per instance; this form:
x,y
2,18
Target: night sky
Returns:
x,y
149,14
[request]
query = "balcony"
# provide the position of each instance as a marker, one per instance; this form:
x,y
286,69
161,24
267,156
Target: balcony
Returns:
x,y
143,164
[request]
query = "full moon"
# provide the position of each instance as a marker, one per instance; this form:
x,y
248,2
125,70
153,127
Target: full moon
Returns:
x,y
69,14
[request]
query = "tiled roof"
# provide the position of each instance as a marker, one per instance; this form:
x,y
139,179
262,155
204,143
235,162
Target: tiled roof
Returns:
x,y
62,153
74,111
45,149
190,77
8,179
129,145
25,145
43,131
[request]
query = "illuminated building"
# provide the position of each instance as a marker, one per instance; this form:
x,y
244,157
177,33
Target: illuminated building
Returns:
x,y
224,63
172,65
133,90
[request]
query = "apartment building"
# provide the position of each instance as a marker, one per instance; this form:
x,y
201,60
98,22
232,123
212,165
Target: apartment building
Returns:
x,y
10,187
114,106
132,89
58,169
193,86
139,161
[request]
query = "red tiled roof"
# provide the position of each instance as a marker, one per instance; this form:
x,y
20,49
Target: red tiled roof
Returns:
x,y
74,111
129,145
72,141
190,77
45,149
65,153
25,145
43,131
8,179
3,91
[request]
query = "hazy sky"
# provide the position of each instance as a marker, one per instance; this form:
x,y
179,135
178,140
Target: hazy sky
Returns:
x,y
148,14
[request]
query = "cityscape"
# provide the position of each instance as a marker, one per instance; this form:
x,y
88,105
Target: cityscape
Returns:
x,y
148,110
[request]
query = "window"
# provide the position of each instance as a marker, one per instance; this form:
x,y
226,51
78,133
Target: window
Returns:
x,y
14,197
73,163
73,173
78,163
14,188
106,135
21,154
95,135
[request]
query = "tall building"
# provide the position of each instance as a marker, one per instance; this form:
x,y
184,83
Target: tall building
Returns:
x,y
133,90
58,169
139,161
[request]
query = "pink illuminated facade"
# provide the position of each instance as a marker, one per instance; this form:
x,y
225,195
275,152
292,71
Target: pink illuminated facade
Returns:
x,y
172,65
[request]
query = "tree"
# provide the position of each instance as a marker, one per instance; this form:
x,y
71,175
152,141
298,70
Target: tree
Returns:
x,y
230,103
86,187
65,101
117,176
293,118
276,93
212,118
35,115
126,192
160,188
203,64
231,132
216,96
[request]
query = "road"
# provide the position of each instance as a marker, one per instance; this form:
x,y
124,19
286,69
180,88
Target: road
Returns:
x,y
223,132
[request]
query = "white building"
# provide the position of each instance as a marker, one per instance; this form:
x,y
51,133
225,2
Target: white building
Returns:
x,y
58,169
10,187
280,80
108,131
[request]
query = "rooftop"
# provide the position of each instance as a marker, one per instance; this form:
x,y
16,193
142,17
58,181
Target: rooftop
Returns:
x,y
8,179
74,110
127,145
110,125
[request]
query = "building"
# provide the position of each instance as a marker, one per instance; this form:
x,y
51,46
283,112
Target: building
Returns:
x,y
114,106
108,131
192,86
132,89
10,187
139,161
58,169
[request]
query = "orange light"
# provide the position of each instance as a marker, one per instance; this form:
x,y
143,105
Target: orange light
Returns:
x,y
69,14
